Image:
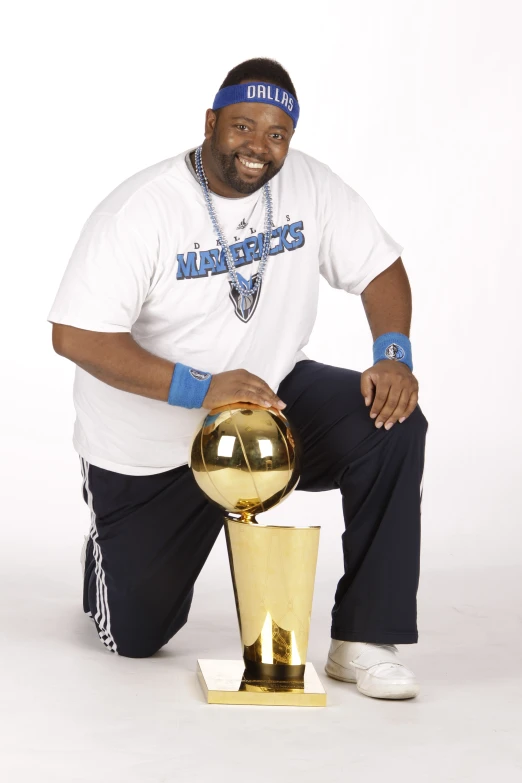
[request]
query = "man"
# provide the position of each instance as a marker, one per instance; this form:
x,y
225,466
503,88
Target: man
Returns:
x,y
195,284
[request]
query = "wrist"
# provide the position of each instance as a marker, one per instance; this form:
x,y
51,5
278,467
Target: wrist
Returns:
x,y
393,346
188,387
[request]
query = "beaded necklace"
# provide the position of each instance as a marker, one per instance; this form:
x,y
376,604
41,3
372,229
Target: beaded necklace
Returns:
x,y
243,289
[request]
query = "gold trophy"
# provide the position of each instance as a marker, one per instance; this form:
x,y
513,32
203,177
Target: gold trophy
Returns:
x,y
245,459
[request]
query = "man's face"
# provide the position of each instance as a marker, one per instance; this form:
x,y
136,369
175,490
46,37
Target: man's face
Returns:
x,y
248,143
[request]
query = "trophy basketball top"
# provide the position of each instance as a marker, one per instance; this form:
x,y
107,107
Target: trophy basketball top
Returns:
x,y
244,458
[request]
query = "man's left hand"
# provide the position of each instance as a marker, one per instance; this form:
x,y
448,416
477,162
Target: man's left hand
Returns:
x,y
394,390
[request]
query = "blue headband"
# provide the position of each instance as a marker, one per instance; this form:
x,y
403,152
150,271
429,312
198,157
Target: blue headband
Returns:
x,y
258,92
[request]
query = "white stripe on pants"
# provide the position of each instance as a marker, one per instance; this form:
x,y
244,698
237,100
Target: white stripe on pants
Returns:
x,y
103,615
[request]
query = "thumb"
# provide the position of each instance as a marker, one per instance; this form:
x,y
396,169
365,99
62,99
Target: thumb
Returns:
x,y
367,387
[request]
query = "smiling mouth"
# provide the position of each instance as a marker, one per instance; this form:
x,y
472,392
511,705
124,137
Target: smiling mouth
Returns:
x,y
252,166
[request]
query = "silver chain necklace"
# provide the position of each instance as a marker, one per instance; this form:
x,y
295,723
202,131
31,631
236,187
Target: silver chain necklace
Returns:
x,y
242,288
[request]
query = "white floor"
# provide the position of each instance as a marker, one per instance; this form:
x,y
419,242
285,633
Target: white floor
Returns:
x,y
73,712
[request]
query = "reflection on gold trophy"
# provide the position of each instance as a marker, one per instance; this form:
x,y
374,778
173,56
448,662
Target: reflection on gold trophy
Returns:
x,y
245,459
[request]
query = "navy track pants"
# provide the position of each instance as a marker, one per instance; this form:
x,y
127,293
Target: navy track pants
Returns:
x,y
151,535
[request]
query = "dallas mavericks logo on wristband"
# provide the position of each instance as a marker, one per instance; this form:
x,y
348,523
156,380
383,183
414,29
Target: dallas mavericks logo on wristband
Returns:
x,y
188,387
394,351
393,345
199,376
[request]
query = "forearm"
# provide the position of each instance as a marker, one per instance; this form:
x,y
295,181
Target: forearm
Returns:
x,y
115,359
387,301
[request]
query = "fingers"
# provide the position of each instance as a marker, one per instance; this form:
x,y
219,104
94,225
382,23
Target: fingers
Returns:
x,y
400,409
389,404
258,397
240,386
381,395
367,387
400,403
261,391
412,404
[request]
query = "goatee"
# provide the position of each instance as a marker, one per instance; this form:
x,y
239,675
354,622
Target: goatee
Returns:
x,y
226,165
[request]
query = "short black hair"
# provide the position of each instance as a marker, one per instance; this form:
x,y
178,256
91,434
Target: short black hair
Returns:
x,y
260,69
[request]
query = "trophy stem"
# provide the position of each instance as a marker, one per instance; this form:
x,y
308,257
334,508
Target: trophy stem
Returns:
x,y
273,573
247,518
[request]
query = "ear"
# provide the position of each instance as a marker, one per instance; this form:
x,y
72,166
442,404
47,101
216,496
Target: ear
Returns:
x,y
210,123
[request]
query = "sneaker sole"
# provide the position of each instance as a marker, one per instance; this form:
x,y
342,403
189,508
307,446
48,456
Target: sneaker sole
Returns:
x,y
389,694
336,675
411,694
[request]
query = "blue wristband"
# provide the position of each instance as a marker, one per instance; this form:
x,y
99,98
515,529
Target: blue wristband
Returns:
x,y
188,387
393,345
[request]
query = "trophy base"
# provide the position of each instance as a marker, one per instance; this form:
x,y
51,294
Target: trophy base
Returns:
x,y
225,682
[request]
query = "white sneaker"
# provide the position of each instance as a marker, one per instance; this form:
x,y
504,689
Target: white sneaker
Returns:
x,y
374,667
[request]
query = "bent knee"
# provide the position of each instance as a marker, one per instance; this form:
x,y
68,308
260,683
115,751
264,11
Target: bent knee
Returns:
x,y
139,648
132,645
133,625
138,642
412,430
417,420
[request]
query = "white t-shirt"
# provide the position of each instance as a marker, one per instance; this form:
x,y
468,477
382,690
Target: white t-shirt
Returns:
x,y
147,262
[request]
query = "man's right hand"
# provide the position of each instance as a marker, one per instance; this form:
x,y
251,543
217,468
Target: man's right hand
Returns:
x,y
240,386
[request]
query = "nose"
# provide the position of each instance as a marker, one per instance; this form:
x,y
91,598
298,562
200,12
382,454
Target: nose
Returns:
x,y
258,143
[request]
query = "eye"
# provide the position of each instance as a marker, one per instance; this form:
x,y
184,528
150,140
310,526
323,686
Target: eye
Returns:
x,y
241,127
279,136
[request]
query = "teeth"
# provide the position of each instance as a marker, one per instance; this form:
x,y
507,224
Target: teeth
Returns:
x,y
251,165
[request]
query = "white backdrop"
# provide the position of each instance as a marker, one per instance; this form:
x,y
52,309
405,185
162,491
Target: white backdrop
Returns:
x,y
415,103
